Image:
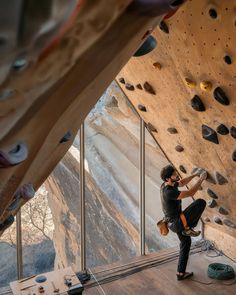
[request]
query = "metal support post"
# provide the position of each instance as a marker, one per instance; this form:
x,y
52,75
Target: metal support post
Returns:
x,y
19,246
142,187
82,201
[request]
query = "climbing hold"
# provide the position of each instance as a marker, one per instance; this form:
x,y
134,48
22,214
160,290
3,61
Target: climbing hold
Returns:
x,y
66,137
233,132
6,93
151,128
148,45
157,65
218,220
41,279
206,86
129,87
212,194
172,130
220,96
213,13
15,203
139,86
122,80
207,219
182,169
211,203
223,211
228,59
209,134
198,171
190,83
179,148
197,104
222,129
220,178
19,64
13,155
229,223
234,156
8,222
163,27
142,108
27,191
148,88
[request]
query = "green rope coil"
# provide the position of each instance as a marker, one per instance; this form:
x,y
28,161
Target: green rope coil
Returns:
x,y
220,271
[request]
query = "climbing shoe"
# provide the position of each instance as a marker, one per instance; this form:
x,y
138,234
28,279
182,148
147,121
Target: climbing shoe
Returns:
x,y
184,276
191,232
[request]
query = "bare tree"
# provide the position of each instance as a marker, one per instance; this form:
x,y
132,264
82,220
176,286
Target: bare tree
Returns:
x,y
36,219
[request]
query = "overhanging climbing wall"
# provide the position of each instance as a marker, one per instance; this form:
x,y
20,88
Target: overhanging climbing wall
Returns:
x,y
185,89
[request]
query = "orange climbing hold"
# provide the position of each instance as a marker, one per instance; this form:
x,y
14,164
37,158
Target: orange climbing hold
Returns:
x,y
206,86
190,83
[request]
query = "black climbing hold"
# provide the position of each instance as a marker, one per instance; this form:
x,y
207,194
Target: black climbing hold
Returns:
x,y
172,130
122,80
149,44
211,203
220,96
15,203
222,129
66,137
223,211
218,220
197,104
209,134
148,88
8,222
212,194
234,156
229,223
220,179
182,169
142,108
233,132
151,128
129,87
228,60
163,27
179,148
139,86
213,13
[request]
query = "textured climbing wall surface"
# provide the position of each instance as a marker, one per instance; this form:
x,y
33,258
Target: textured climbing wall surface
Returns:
x,y
185,88
49,85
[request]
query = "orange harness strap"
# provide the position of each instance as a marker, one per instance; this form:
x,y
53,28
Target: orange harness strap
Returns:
x,y
184,220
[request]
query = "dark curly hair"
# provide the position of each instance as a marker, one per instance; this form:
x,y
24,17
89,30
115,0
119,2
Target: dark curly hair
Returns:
x,y
166,172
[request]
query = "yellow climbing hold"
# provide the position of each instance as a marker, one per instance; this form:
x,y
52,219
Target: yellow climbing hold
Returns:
x,y
157,65
206,86
190,83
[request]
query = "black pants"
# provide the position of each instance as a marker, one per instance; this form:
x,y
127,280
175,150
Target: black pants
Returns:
x,y
192,213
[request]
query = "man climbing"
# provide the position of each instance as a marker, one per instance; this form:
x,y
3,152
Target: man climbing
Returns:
x,y
182,223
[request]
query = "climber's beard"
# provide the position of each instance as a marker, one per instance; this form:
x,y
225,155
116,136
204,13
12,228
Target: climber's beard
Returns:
x,y
175,180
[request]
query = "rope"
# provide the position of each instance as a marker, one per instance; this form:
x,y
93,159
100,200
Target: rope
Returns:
x,y
220,271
